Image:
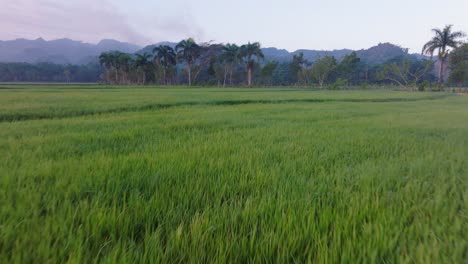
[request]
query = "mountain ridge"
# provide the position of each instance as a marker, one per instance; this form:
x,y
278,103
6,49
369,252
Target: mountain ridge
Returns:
x,y
68,51
373,55
59,51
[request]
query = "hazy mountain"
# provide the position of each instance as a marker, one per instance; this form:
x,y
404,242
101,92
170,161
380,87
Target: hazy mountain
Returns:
x,y
65,51
60,51
381,53
272,53
310,55
276,54
149,48
374,55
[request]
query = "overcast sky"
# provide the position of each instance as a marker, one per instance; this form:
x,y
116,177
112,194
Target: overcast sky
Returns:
x,y
289,24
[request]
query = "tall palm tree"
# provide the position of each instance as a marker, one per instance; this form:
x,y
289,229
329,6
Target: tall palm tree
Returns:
x,y
105,59
123,61
248,52
142,61
112,62
166,57
189,51
442,41
230,56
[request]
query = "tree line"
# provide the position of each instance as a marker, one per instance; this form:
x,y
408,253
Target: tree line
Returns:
x,y
49,72
190,63
217,64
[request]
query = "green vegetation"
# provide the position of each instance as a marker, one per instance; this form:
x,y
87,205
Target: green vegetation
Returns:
x,y
49,72
166,57
405,72
215,64
212,62
443,40
248,53
322,69
459,66
116,174
188,51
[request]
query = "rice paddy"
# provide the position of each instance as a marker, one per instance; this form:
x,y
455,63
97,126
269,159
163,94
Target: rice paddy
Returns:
x,y
174,175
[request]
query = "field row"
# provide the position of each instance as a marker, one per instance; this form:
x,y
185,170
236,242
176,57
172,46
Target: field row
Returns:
x,y
22,103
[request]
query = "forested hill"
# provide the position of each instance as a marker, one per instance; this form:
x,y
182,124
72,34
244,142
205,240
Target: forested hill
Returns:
x,y
60,51
374,55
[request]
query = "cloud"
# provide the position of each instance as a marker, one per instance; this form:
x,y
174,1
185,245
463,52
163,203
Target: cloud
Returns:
x,y
87,20
174,28
166,20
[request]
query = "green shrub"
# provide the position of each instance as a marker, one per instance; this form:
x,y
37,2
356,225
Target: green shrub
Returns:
x,y
364,86
422,86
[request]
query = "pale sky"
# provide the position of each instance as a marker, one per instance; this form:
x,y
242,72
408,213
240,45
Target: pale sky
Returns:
x,y
288,24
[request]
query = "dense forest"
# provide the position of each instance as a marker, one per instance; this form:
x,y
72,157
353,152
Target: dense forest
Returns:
x,y
193,63
49,72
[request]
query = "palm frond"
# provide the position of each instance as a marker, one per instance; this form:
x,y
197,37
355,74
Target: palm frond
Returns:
x,y
430,47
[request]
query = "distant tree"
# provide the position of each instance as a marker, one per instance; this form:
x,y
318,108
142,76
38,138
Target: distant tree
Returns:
x,y
142,64
268,71
165,56
283,74
124,61
405,71
49,72
107,60
247,53
116,62
215,72
349,68
442,41
211,71
210,55
189,51
230,57
458,65
322,69
67,73
299,68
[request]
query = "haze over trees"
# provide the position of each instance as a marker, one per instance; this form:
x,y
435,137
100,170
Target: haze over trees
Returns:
x,y
212,64
188,51
165,56
50,72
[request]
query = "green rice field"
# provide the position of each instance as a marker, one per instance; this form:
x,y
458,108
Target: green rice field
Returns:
x,y
95,174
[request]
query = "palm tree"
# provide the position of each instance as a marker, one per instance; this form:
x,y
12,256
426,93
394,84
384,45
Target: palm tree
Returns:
x,y
189,51
248,52
105,59
111,60
442,41
123,61
166,57
142,61
230,56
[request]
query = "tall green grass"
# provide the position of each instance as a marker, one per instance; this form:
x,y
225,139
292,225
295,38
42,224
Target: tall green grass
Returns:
x,y
285,177
22,102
